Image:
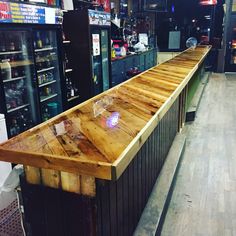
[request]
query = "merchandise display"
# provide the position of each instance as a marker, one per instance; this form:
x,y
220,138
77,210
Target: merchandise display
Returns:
x,y
30,70
88,53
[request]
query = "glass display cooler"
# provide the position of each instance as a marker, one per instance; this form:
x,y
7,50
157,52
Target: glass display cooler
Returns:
x,y
89,53
30,70
230,59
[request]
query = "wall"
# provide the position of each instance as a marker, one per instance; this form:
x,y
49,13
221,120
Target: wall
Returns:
x,y
165,56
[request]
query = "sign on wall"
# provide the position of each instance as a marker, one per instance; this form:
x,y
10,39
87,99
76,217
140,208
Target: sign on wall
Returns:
x,y
24,13
99,18
208,2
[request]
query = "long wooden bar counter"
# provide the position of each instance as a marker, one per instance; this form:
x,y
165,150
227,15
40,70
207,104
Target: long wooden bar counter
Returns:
x,y
105,147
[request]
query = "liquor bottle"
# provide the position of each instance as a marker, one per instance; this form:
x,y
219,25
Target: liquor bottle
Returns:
x,y
47,41
40,79
66,62
50,76
12,46
47,62
46,115
15,73
13,58
23,122
26,121
14,128
67,88
39,42
2,44
22,72
24,52
6,69
72,91
18,46
76,91
70,88
27,114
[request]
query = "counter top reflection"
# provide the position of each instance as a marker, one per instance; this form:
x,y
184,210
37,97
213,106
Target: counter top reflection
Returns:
x,y
100,137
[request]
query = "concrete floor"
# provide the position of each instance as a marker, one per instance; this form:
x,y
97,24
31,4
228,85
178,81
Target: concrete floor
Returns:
x,y
204,198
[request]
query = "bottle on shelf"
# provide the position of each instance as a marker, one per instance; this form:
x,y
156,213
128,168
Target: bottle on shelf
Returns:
x,y
66,62
47,62
39,43
22,72
12,46
24,52
69,87
16,94
72,90
47,91
18,46
40,79
13,58
45,115
47,41
27,114
50,76
6,69
23,122
14,128
2,45
15,72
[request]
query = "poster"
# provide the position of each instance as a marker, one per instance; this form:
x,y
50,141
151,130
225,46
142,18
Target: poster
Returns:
x,y
99,18
106,5
5,12
96,44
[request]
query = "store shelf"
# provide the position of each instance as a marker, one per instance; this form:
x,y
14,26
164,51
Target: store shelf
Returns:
x,y
11,52
43,59
44,49
21,63
68,70
46,69
44,84
66,42
45,98
17,108
14,79
72,98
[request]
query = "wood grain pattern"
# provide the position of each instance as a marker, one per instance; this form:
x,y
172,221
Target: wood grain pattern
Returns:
x,y
99,137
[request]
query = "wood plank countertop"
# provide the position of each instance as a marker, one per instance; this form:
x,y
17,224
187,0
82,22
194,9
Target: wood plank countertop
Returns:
x,y
100,137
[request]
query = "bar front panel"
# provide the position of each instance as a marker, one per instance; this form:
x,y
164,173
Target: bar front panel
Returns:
x,y
120,203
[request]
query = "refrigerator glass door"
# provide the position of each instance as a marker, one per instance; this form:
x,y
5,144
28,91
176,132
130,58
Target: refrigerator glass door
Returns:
x,y
17,73
105,60
48,73
230,59
5,168
3,129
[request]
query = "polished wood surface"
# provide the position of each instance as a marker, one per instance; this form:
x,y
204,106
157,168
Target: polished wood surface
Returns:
x,y
100,137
